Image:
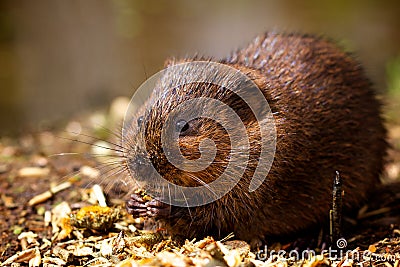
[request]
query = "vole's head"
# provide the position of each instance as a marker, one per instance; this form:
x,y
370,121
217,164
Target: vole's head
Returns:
x,y
192,128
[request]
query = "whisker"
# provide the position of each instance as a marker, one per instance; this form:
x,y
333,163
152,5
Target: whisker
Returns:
x,y
106,159
69,175
97,155
98,139
203,183
187,205
169,196
197,179
113,172
111,132
109,166
94,155
110,183
88,143
64,154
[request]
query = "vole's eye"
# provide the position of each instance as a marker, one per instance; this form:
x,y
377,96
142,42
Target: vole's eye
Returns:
x,y
140,121
181,126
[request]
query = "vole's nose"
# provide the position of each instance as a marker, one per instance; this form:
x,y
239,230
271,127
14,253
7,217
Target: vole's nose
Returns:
x,y
139,164
139,160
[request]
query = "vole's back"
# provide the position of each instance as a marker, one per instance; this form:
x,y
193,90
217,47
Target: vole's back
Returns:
x,y
327,120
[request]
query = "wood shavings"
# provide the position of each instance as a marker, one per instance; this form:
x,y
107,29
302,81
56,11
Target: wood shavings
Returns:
x,y
82,251
53,260
28,238
60,222
63,254
36,260
99,195
48,194
106,248
33,172
47,217
231,257
22,256
48,237
40,198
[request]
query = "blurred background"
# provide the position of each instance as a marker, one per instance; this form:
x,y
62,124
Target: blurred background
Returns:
x,y
61,58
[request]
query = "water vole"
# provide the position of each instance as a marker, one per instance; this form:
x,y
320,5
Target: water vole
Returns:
x,y
326,119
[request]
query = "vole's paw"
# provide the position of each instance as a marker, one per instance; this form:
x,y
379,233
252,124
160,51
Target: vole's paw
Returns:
x,y
139,207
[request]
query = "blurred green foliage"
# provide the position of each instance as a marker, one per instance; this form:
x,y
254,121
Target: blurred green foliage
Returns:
x,y
61,58
393,77
392,109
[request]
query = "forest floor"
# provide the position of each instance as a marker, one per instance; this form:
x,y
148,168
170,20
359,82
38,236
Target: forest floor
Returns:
x,y
51,187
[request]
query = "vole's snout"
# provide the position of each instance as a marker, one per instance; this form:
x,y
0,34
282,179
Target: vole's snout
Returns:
x,y
139,160
139,164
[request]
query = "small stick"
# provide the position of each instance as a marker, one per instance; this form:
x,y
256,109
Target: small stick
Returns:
x,y
336,212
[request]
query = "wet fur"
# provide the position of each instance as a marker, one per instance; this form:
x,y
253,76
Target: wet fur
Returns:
x,y
327,119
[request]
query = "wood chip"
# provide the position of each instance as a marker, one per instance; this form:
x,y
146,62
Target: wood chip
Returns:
x,y
33,172
40,198
106,248
36,260
99,195
59,212
60,187
63,254
47,218
84,251
48,194
29,236
22,256
55,261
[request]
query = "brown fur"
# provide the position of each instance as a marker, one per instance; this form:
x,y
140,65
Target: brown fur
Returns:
x,y
327,119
